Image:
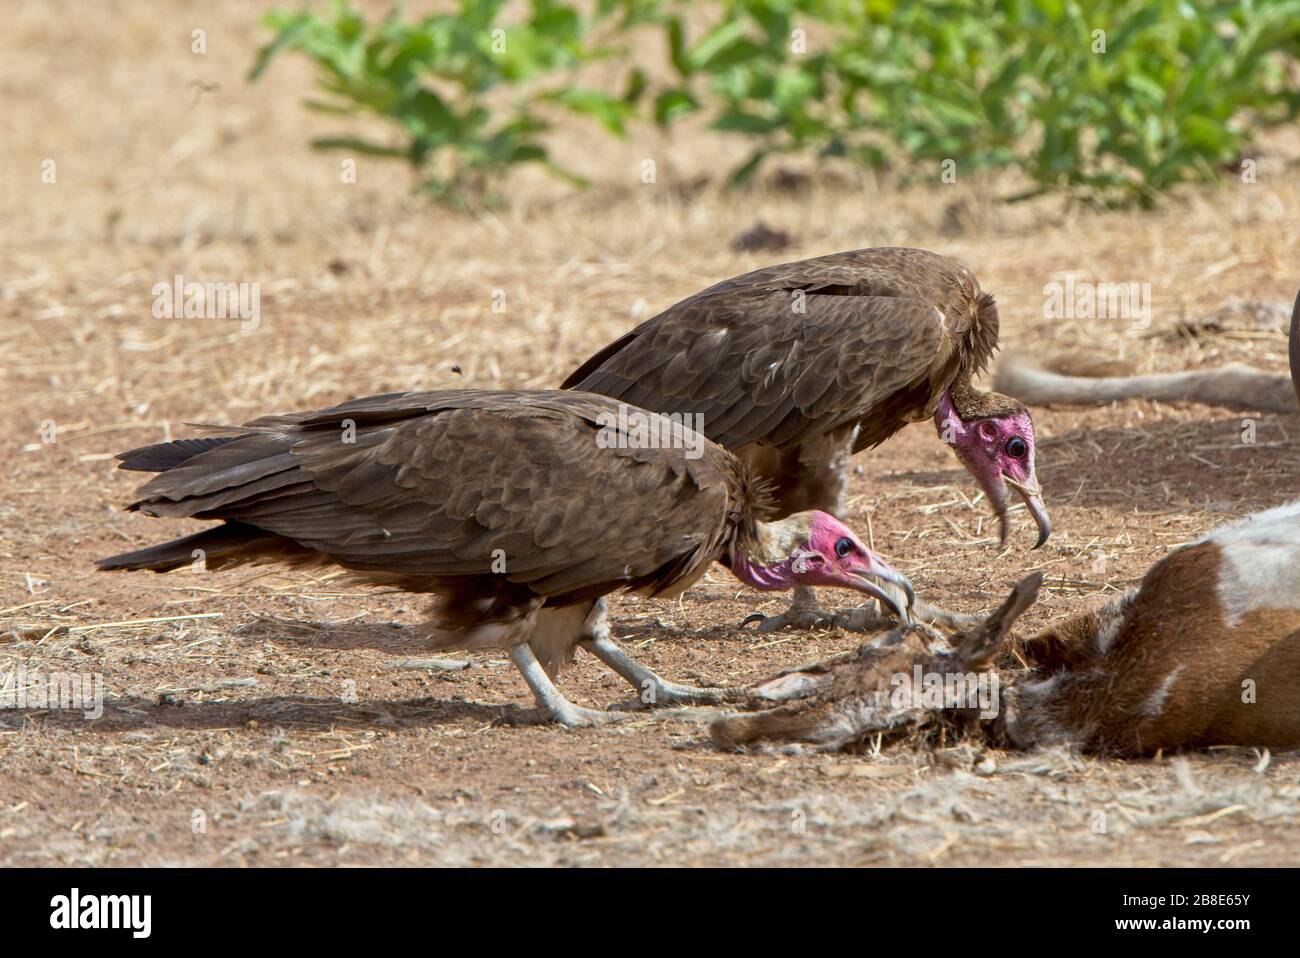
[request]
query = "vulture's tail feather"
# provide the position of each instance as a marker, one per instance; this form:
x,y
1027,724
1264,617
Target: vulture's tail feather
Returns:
x,y
227,544
579,376
162,456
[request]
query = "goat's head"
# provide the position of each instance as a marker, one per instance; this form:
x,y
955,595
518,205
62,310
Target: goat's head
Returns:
x,y
844,700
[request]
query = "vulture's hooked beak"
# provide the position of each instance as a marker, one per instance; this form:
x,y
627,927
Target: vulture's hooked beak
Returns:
x,y
865,583
1033,496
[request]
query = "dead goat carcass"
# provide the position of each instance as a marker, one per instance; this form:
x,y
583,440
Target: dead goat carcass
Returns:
x,y
910,676
1205,652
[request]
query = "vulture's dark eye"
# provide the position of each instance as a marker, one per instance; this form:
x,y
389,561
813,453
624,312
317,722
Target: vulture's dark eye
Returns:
x,y
1017,447
843,547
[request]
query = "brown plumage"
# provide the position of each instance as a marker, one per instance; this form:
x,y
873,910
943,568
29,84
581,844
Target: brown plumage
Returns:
x,y
859,342
520,509
798,366
433,484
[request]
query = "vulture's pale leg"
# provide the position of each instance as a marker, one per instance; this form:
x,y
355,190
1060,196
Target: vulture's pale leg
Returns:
x,y
651,688
550,700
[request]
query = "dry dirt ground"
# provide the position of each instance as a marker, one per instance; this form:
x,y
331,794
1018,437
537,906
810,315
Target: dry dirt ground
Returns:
x,y
276,718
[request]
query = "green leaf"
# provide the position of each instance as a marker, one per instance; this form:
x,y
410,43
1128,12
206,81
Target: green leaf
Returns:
x,y
714,48
609,111
677,48
355,145
743,173
636,86
289,29
671,105
737,121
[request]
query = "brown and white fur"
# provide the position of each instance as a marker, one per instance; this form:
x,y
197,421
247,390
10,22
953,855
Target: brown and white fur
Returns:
x,y
1205,652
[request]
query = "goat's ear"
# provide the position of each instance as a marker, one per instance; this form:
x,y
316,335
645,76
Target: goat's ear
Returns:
x,y
1295,347
978,646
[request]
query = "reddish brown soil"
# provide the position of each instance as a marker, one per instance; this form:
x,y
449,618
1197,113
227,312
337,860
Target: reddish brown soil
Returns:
x,y
237,739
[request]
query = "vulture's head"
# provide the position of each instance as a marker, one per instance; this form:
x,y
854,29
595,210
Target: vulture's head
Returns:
x,y
993,436
816,549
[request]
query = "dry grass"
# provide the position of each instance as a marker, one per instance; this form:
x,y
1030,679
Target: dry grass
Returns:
x,y
286,709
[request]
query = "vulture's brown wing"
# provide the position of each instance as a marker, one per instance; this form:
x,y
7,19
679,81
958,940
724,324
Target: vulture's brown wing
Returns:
x,y
435,486
781,365
877,271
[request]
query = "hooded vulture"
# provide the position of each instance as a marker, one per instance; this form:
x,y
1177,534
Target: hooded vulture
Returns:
x,y
796,367
520,510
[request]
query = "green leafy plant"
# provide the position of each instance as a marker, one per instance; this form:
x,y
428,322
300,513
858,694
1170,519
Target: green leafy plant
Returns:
x,y
463,94
1113,100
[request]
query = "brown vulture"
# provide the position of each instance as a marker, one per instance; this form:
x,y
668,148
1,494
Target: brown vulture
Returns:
x,y
798,366
521,510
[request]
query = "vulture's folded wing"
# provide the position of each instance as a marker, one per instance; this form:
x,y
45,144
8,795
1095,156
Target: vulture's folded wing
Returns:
x,y
779,365
434,486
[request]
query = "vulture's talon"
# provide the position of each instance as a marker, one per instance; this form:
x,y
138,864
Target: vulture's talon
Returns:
x,y
671,694
629,705
803,619
578,717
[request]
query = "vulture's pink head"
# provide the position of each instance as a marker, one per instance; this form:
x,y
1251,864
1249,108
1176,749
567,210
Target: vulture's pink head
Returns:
x,y
816,549
998,449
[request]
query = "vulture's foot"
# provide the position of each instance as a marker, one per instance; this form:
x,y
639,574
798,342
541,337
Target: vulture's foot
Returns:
x,y
670,693
657,695
866,619
552,706
870,618
653,690
575,716
804,614
804,619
